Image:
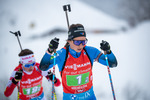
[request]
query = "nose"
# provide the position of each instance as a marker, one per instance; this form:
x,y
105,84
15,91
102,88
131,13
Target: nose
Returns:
x,y
81,45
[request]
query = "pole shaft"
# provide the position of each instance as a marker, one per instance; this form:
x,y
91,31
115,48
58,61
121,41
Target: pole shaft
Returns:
x,y
53,91
113,92
67,18
19,42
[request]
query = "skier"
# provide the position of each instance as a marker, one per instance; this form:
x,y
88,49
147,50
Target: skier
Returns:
x,y
75,62
28,77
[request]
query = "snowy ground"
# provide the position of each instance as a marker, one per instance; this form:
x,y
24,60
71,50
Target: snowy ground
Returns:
x,y
131,78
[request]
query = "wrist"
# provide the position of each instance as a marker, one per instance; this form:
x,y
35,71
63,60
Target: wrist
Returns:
x,y
108,51
14,81
50,50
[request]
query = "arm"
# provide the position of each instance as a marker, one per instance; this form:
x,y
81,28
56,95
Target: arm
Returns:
x,y
46,62
96,55
47,59
48,75
10,88
111,60
111,57
13,82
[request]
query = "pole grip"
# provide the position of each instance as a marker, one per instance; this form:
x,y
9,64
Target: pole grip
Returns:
x,y
17,34
67,8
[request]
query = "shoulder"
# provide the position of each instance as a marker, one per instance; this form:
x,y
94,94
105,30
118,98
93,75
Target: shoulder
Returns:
x,y
90,49
37,65
61,52
19,67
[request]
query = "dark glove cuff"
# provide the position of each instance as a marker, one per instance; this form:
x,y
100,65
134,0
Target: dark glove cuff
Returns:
x,y
13,80
108,51
50,50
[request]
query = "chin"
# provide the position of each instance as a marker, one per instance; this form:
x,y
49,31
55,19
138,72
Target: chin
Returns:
x,y
79,50
30,70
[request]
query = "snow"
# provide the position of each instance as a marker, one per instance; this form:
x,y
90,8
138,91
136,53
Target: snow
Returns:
x,y
131,48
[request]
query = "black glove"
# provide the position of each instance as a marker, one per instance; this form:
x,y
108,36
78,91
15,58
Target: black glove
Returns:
x,y
18,77
105,46
50,75
53,45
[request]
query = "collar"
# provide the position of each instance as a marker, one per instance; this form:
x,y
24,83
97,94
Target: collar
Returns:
x,y
74,53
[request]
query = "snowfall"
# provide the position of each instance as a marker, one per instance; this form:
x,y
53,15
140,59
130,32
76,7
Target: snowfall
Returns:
x,y
131,78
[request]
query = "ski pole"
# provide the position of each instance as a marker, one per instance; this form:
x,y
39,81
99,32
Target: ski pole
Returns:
x,y
53,89
17,34
18,89
113,92
67,8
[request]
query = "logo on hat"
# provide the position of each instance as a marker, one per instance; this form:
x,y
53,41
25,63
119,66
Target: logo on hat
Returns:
x,y
82,33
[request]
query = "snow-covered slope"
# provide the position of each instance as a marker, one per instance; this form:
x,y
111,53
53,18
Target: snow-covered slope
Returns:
x,y
131,48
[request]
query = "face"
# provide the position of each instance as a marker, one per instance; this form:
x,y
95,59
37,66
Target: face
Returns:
x,y
29,66
76,43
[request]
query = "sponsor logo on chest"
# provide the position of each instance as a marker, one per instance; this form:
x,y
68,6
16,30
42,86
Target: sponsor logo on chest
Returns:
x,y
76,66
29,81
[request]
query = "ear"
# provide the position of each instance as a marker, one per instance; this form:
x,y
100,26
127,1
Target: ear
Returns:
x,y
69,41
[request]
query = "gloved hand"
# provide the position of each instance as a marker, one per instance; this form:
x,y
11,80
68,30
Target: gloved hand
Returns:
x,y
53,45
18,77
56,80
105,46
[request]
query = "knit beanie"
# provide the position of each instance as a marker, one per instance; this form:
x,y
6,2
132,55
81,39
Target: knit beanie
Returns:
x,y
76,30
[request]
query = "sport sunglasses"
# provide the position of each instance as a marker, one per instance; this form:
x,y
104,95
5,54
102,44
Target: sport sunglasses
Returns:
x,y
78,42
28,65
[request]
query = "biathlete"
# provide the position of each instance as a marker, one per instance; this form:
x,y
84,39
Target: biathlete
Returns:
x,y
27,76
75,62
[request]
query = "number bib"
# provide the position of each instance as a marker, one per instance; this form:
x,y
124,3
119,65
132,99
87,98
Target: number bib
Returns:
x,y
77,74
31,85
32,90
77,80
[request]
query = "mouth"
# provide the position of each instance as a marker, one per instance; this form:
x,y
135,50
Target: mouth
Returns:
x,y
30,70
79,49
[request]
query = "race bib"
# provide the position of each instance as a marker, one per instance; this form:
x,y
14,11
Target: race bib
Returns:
x,y
32,90
77,80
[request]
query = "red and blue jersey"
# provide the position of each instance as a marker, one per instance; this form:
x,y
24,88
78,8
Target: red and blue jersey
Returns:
x,y
77,74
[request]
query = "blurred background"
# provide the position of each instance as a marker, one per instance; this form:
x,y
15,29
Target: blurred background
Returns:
x,y
125,24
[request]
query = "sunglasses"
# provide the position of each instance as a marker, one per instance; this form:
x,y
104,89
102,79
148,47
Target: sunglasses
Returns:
x,y
28,65
78,42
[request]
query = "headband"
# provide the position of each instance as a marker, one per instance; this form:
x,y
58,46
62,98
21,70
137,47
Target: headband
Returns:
x,y
27,59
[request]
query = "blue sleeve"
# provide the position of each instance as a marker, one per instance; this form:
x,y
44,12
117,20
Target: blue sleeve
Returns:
x,y
47,60
111,60
60,59
94,52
